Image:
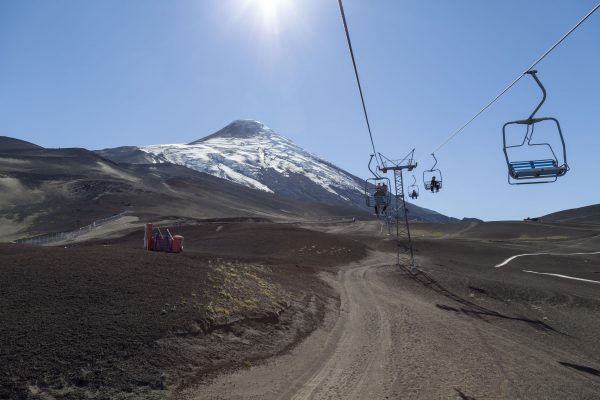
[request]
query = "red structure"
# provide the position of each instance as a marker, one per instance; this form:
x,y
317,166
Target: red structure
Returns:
x,y
148,237
155,240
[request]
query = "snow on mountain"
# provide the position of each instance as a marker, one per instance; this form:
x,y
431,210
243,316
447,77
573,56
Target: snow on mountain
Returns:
x,y
251,154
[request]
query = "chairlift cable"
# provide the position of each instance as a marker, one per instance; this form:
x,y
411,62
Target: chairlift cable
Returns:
x,y
362,98
459,130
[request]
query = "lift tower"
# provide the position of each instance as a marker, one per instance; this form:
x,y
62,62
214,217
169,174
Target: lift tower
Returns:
x,y
404,250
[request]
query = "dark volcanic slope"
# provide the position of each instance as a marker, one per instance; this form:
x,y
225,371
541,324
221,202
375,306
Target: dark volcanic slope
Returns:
x,y
582,215
514,232
265,241
120,322
43,190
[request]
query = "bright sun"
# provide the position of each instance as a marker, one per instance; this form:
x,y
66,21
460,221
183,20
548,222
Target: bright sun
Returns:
x,y
271,12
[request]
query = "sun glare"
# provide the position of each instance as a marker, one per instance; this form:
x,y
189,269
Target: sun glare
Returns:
x,y
271,13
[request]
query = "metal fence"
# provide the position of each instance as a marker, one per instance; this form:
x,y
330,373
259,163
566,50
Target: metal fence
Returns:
x,y
72,235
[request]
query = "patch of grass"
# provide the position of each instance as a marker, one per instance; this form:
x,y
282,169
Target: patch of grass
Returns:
x,y
241,288
314,249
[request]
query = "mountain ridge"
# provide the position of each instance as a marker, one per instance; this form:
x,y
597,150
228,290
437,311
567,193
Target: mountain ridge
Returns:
x,y
9,144
586,214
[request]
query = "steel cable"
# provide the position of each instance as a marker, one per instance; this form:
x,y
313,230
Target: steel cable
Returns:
x,y
362,98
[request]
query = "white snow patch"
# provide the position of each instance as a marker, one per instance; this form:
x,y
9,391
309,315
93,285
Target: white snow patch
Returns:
x,y
503,263
562,276
114,172
14,161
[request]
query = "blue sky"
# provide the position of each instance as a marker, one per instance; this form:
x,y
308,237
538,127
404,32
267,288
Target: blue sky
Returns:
x,y
112,73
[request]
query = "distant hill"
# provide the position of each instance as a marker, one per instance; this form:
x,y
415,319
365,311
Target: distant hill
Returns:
x,y
581,215
11,144
471,220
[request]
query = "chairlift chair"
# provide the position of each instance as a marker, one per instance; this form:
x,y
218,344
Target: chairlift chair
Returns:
x,y
413,190
431,173
373,199
535,171
370,190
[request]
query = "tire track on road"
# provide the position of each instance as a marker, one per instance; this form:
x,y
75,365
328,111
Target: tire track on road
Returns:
x,y
354,370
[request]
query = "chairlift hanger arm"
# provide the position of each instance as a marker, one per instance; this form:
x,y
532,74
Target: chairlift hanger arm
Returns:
x,y
376,175
433,155
533,73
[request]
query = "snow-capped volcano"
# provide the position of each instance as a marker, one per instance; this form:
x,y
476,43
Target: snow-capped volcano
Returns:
x,y
251,154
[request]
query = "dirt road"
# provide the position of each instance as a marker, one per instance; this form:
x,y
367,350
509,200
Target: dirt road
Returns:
x,y
394,336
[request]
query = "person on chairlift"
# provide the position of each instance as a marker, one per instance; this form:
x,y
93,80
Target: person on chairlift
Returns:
x,y
379,193
384,189
414,194
435,185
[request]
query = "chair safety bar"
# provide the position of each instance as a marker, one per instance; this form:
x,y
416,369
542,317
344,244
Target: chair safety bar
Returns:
x,y
373,200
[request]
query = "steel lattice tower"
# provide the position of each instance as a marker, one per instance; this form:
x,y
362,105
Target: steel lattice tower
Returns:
x,y
405,254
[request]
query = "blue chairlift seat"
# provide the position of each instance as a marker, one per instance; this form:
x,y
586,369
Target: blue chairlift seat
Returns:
x,y
536,169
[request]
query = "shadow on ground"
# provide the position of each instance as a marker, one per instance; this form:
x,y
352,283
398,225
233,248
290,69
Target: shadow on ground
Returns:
x,y
471,309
